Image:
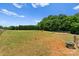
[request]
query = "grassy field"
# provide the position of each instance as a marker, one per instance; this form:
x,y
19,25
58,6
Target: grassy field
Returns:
x,y
35,43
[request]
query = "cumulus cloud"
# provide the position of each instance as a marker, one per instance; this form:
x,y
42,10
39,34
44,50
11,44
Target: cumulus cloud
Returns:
x,y
18,5
76,7
37,21
35,5
10,13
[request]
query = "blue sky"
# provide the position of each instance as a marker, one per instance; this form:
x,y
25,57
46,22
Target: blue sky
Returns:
x,y
32,13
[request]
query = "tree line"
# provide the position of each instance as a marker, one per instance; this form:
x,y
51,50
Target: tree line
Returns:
x,y
59,22
21,27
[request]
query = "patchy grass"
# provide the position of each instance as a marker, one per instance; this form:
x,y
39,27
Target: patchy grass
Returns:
x,y
1,31
22,43
35,43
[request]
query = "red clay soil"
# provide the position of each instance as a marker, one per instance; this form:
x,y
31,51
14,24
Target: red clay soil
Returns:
x,y
56,44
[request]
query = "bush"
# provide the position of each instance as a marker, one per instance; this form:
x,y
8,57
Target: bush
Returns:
x,y
75,28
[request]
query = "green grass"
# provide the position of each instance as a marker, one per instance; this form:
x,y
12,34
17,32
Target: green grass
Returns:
x,y
22,43
30,42
0,32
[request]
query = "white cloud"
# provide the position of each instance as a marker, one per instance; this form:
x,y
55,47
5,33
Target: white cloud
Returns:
x,y
10,13
37,21
76,7
35,5
18,5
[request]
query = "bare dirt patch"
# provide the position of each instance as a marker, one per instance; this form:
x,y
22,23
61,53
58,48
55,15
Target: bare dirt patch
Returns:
x,y
57,45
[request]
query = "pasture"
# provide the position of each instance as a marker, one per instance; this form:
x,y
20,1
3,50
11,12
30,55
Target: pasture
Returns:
x,y
35,43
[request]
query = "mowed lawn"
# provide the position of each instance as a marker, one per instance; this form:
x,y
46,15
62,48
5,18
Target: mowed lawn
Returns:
x,y
35,43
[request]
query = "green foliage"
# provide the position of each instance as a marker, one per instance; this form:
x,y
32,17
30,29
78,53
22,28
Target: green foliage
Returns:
x,y
75,28
61,23
23,27
1,27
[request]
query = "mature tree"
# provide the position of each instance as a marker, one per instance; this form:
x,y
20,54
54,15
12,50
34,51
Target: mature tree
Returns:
x,y
60,22
1,27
